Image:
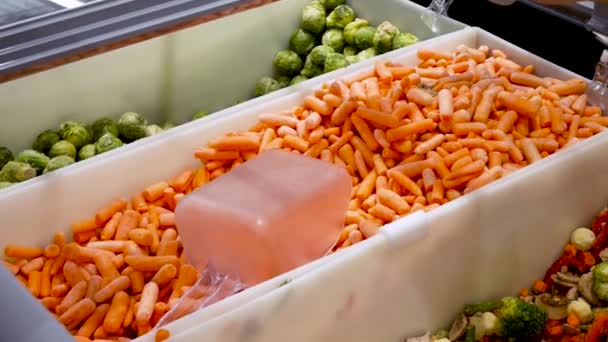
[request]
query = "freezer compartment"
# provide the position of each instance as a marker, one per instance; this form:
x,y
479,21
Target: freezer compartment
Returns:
x,y
420,270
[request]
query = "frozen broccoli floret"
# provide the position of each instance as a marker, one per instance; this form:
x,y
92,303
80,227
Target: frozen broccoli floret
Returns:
x,y
331,4
366,54
284,81
318,55
86,152
334,39
75,132
4,185
340,17
298,79
335,61
152,130
350,51
6,155
37,160
131,126
45,140
168,125
15,172
288,63
519,319
350,31
471,309
313,17
383,39
265,86
106,143
364,38
58,163
302,42
103,125
199,114
404,39
63,148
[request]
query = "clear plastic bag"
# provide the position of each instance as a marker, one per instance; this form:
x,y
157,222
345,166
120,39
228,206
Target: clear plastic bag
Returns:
x,y
432,13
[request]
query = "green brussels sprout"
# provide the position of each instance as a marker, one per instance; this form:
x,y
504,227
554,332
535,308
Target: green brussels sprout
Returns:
x,y
4,185
334,39
168,125
75,132
313,17
331,4
404,39
63,148
364,38
103,125
366,54
335,61
200,114
351,59
288,63
45,140
302,42
298,79
383,39
284,81
340,17
131,126
36,159
59,162
311,69
15,172
86,152
265,86
350,51
106,143
153,129
319,54
350,31
5,156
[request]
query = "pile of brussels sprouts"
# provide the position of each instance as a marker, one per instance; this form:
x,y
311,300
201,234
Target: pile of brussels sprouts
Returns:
x,y
330,37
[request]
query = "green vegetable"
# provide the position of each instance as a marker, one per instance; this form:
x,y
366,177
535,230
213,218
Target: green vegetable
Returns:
x,y
311,69
288,63
86,152
131,126
440,334
350,31
333,38
265,86
302,42
284,81
471,309
313,17
168,125
364,38
469,335
352,59
4,185
404,39
199,114
350,51
45,140
63,148
367,54
59,162
331,4
5,156
318,55
153,129
335,61
106,143
383,39
520,320
103,125
75,132
15,172
298,79
36,159
600,280
340,17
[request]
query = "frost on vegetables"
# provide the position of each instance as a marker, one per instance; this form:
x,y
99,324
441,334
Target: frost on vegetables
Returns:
x,y
341,16
106,143
63,148
15,172
131,126
152,130
350,31
313,17
58,162
35,159
383,38
86,152
75,132
266,85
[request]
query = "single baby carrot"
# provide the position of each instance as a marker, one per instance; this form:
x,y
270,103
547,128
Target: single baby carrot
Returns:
x,y
129,220
116,312
146,305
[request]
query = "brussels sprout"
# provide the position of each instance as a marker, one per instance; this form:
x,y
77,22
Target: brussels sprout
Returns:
x,y
340,17
352,59
331,4
404,39
200,114
131,126
74,132
45,140
288,63
36,159
313,17
4,185
364,38
59,162
298,79
350,51
352,28
383,39
15,171
86,152
311,69
302,42
335,61
63,148
168,125
265,86
106,143
5,156
283,81
334,39
103,125
366,54
153,129
319,54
